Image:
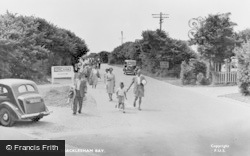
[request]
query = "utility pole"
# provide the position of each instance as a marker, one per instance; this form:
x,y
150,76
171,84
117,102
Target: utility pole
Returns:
x,y
122,37
161,16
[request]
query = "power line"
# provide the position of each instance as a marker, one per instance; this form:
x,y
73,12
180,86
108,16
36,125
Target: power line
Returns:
x,y
161,16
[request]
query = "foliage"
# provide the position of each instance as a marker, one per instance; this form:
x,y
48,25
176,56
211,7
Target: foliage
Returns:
x,y
187,75
201,79
216,38
121,53
93,55
193,71
26,40
154,47
104,56
244,35
174,72
243,55
157,46
198,66
64,46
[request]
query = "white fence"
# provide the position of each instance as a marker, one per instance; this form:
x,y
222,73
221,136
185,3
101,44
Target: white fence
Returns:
x,y
225,73
225,77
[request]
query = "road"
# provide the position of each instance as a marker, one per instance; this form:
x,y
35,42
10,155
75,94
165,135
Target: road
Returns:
x,y
174,121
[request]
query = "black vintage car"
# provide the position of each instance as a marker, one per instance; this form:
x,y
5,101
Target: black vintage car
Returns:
x,y
129,67
20,99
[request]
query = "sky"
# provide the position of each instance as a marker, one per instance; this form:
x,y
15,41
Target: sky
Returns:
x,y
100,22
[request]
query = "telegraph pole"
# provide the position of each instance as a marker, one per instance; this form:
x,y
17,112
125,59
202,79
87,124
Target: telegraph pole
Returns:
x,y
122,37
161,16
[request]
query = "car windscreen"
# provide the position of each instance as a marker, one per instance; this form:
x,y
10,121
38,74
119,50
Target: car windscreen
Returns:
x,y
131,63
26,88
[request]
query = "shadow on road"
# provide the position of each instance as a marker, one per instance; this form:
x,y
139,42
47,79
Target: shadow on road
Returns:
x,y
86,115
26,123
150,110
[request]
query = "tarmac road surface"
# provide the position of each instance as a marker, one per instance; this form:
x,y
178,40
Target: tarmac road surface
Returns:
x,y
174,121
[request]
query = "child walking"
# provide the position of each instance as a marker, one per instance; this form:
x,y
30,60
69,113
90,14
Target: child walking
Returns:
x,y
121,95
71,96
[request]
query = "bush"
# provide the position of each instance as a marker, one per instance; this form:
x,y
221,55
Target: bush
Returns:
x,y
243,54
202,80
187,75
244,79
194,71
174,72
198,67
111,61
244,88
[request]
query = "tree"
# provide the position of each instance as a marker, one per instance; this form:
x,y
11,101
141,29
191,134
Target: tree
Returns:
x,y
121,53
157,46
154,47
18,36
65,46
244,35
27,43
216,38
93,55
104,56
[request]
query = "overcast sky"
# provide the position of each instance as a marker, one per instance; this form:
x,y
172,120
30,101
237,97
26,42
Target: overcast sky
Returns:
x,y
100,22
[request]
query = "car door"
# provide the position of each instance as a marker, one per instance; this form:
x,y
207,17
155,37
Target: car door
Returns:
x,y
4,94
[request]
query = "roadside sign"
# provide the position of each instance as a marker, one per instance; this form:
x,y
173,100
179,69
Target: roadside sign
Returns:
x,y
164,64
62,72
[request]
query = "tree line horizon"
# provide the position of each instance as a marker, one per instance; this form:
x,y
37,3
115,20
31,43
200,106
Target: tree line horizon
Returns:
x,y
31,45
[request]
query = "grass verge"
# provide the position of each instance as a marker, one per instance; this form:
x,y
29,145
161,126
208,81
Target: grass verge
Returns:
x,y
57,97
238,97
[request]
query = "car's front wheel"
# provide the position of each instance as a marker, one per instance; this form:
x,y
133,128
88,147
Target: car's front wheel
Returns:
x,y
6,118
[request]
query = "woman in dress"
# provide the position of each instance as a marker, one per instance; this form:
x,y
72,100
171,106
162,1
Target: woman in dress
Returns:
x,y
138,87
94,76
110,83
105,77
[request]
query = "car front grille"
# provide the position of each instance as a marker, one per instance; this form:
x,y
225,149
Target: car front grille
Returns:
x,y
21,104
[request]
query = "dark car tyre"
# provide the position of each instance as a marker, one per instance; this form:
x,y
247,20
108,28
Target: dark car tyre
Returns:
x,y
6,118
36,119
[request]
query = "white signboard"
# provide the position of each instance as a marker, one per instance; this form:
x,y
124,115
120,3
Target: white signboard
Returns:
x,y
62,72
164,64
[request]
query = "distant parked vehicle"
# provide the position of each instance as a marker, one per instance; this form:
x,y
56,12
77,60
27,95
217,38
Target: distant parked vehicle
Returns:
x,y
20,99
129,67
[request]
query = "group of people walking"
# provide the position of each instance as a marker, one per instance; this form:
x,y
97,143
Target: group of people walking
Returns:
x,y
139,82
91,75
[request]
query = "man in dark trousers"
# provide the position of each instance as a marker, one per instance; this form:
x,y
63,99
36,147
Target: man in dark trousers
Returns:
x,y
81,89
